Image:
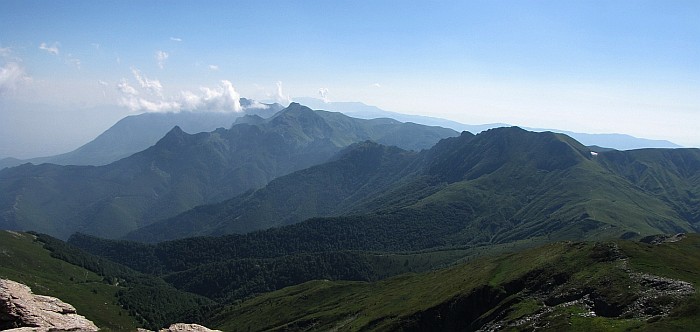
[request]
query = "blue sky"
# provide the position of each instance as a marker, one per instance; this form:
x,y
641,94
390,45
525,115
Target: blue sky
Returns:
x,y
592,66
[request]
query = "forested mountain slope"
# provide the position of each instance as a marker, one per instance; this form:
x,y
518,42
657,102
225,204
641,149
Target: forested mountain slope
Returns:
x,y
503,188
499,186
182,171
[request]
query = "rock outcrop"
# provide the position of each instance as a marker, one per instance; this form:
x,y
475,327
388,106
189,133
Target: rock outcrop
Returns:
x,y
662,238
21,310
182,327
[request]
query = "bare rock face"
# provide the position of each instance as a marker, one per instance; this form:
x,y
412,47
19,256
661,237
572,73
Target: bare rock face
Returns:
x,y
181,327
20,310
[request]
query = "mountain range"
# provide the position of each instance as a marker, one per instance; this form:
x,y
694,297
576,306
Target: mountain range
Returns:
x,y
135,133
313,220
182,171
363,111
372,207
499,186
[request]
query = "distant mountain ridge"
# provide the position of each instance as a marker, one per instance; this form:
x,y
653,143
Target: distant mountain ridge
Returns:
x,y
182,171
364,111
138,132
360,110
501,185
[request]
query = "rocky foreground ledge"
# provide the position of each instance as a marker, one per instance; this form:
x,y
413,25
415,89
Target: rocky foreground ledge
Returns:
x,y
23,311
181,327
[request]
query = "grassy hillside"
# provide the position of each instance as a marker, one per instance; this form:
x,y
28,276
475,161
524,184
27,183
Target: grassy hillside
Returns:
x,y
573,286
671,175
112,295
25,260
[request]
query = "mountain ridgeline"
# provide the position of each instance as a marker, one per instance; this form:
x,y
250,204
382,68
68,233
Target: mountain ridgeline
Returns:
x,y
505,187
265,225
182,171
135,133
502,185
363,111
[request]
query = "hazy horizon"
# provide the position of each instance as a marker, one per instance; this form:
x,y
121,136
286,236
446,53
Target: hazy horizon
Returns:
x,y
585,66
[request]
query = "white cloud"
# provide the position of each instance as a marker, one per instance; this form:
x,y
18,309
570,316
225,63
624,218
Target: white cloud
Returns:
x,y
213,67
223,98
176,39
254,104
161,56
152,86
280,97
377,85
323,92
134,103
124,87
12,75
53,49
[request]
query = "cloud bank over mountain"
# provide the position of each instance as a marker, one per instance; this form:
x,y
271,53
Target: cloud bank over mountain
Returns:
x,y
148,97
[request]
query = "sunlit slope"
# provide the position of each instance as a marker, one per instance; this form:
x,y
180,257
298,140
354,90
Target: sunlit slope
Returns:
x,y
571,285
524,184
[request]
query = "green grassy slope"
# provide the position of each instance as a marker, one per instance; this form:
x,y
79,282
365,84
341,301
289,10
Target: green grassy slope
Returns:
x,y
671,175
26,261
573,286
112,295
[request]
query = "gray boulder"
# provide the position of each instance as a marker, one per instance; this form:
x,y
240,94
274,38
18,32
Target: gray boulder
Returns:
x,y
21,310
